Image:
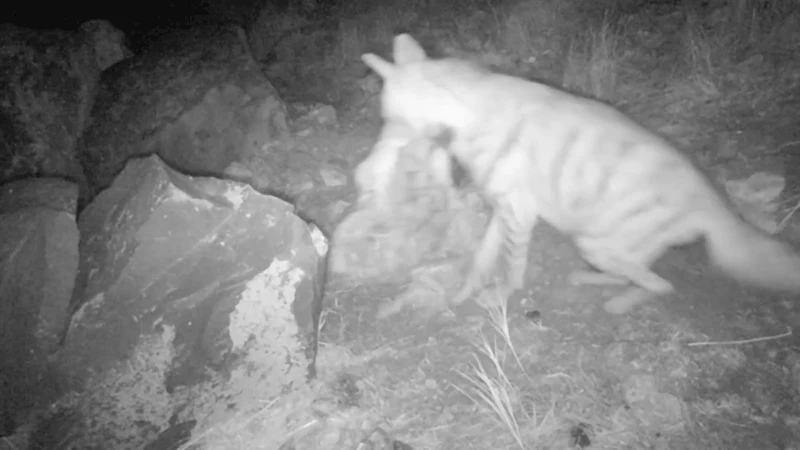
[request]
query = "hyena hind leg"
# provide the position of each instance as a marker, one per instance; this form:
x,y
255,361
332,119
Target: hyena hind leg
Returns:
x,y
647,285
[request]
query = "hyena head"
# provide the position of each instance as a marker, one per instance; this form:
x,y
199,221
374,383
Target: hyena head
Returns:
x,y
410,94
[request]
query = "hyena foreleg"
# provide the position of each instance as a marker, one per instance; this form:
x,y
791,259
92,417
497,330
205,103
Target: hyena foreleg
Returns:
x,y
484,260
507,238
518,224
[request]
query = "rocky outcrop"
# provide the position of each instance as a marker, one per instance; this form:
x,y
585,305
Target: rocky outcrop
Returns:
x,y
196,98
48,80
184,300
38,263
196,298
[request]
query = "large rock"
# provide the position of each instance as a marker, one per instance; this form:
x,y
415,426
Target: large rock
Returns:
x,y
47,83
196,299
196,98
38,265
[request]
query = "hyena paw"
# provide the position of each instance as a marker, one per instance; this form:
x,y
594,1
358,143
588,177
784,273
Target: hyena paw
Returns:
x,y
477,285
465,293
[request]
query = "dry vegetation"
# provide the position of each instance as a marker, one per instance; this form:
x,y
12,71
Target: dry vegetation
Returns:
x,y
716,77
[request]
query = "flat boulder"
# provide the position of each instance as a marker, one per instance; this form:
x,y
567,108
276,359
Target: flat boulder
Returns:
x,y
196,299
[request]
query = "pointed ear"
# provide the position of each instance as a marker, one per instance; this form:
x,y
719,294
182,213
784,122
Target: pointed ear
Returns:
x,y
381,66
407,50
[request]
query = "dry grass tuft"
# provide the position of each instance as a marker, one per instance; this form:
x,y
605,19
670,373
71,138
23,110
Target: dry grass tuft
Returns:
x,y
492,389
593,64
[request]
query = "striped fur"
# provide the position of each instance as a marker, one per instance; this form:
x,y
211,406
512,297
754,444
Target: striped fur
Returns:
x,y
624,194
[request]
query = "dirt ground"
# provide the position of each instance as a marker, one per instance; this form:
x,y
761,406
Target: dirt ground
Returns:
x,y
714,366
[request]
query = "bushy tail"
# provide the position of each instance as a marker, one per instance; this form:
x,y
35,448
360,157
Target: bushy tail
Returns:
x,y
751,256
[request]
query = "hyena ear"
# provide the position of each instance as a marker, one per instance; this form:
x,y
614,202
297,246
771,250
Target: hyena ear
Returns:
x,y
407,50
381,66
